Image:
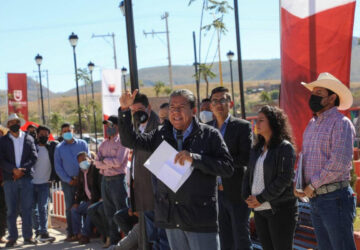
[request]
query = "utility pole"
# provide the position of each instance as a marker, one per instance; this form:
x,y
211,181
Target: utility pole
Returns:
x,y
165,16
113,44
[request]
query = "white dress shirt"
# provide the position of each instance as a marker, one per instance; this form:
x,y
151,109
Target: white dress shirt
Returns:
x,y
258,185
18,147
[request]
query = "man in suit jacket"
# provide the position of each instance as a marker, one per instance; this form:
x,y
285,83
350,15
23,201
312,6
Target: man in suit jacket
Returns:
x,y
17,157
142,183
233,211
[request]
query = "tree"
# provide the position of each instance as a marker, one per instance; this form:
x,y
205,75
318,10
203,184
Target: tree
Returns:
x,y
83,74
206,73
159,85
167,90
265,97
55,121
274,94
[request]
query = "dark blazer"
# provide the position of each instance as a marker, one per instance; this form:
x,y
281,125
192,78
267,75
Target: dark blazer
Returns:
x,y
94,183
141,189
50,146
7,156
238,139
194,206
278,175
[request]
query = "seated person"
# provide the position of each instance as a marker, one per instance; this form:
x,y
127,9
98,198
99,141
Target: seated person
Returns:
x,y
87,193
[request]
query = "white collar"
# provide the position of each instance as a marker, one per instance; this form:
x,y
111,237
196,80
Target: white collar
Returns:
x,y
21,135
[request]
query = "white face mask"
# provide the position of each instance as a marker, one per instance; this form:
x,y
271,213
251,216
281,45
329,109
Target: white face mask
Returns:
x,y
206,116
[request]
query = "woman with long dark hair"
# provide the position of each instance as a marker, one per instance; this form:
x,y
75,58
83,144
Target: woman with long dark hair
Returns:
x,y
268,182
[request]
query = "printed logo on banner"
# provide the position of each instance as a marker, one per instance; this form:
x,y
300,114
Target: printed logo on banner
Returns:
x,y
111,88
17,95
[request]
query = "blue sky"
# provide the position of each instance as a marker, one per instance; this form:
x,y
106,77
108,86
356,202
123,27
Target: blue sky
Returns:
x,y
42,26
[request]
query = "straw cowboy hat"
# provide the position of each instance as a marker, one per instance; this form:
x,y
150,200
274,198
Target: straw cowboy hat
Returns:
x,y
15,117
3,130
328,81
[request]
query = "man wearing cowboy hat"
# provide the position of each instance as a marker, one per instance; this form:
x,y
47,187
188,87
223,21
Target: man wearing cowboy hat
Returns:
x,y
17,157
327,152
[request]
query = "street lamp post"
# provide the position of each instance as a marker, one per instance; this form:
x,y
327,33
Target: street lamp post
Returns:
x,y
91,66
73,41
123,72
38,60
126,9
230,56
240,70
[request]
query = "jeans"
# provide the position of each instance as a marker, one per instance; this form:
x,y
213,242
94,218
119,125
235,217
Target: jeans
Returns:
x,y
113,192
156,236
332,215
233,224
96,213
181,240
19,191
69,195
276,231
81,223
40,207
2,212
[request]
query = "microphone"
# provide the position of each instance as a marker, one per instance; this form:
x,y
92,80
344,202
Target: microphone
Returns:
x,y
179,139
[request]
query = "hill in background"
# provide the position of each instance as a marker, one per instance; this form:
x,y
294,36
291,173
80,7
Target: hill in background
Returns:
x,y
254,70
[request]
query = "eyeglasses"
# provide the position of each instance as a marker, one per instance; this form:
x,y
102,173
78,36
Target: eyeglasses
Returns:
x,y
179,108
221,101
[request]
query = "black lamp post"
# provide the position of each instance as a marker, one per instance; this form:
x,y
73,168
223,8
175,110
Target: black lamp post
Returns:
x,y
73,41
38,60
230,56
123,72
91,66
240,71
126,9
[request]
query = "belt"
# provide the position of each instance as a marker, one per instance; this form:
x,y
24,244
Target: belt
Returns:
x,y
328,188
113,177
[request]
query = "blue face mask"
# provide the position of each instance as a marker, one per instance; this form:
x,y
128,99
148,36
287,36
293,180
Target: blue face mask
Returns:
x,y
68,136
84,165
110,131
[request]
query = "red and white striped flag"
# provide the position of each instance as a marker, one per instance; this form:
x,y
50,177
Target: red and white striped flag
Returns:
x,y
316,36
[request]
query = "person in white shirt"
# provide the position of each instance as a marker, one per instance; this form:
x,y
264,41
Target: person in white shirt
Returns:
x,y
17,157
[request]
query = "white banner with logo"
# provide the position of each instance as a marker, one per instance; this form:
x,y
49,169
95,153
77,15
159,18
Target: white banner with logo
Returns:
x,y
111,91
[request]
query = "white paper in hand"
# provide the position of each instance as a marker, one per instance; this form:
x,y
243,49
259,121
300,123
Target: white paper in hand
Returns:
x,y
161,164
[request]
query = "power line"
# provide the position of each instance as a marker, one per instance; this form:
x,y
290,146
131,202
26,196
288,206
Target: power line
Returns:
x,y
113,44
153,33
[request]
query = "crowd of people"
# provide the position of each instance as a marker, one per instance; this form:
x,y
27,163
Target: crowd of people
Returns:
x,y
234,172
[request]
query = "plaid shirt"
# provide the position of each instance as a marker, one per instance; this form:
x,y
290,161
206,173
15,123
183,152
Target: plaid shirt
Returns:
x,y
328,148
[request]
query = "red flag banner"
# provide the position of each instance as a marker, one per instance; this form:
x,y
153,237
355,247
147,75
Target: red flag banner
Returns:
x,y
17,95
316,36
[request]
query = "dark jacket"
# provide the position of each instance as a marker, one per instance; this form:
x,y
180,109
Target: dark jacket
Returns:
x,y
94,184
141,189
278,175
50,146
194,206
7,156
238,139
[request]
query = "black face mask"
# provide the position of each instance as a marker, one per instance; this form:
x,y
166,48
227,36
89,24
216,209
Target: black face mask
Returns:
x,y
14,128
43,139
140,116
315,103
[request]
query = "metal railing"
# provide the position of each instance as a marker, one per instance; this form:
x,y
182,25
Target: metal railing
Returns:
x,y
57,206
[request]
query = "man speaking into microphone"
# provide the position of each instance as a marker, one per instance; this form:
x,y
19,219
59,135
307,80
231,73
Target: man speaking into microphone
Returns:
x,y
189,215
